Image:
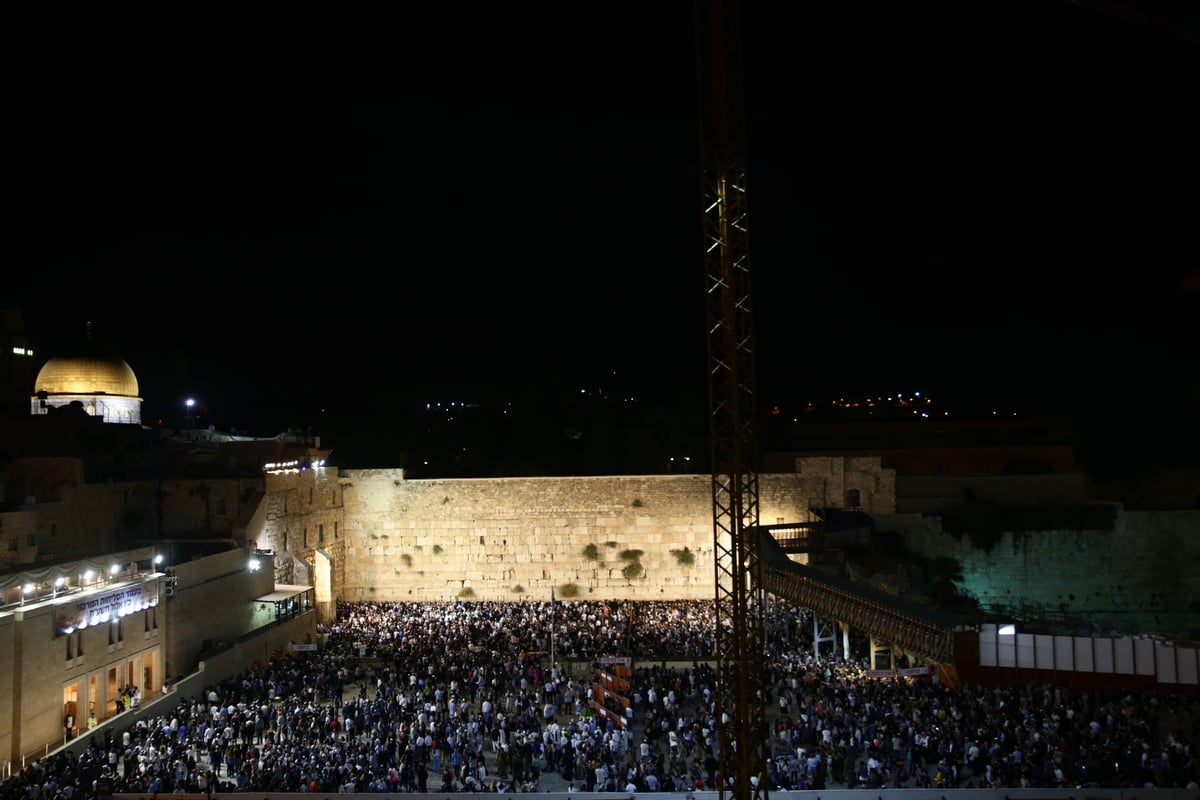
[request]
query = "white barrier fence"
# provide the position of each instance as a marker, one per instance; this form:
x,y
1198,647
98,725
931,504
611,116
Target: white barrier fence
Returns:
x,y
1002,647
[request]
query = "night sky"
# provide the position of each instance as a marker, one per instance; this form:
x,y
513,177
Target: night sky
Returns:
x,y
309,215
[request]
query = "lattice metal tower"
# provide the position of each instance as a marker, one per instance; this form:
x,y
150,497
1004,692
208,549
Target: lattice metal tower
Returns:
x,y
741,668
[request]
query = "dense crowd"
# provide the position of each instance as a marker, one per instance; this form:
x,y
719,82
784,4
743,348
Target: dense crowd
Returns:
x,y
462,696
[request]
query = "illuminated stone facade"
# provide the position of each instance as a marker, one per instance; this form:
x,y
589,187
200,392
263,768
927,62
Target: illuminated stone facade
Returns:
x,y
1136,575
373,535
52,668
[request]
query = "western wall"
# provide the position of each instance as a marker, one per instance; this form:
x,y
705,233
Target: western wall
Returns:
x,y
379,536
1138,574
374,535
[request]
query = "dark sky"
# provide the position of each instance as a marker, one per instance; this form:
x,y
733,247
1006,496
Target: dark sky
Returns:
x,y
303,212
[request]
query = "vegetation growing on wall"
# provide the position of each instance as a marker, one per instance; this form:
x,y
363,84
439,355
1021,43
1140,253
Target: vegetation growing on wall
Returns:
x,y
407,559
466,591
568,590
518,589
591,553
941,578
944,574
437,549
637,502
684,557
633,567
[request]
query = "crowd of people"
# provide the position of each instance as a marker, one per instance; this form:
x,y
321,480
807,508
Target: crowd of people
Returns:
x,y
492,696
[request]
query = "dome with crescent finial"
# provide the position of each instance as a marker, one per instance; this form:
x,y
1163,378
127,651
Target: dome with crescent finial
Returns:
x,y
94,379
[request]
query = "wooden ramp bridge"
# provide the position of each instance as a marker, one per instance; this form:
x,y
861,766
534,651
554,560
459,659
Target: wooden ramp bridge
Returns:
x,y
920,631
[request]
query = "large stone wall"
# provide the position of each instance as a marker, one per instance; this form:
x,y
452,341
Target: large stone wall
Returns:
x,y
301,519
99,517
504,539
379,536
213,602
1141,575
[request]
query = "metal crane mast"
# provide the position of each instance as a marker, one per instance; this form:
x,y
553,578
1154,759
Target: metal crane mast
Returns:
x,y
740,603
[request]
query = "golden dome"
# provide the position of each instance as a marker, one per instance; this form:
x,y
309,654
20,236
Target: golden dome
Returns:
x,y
87,375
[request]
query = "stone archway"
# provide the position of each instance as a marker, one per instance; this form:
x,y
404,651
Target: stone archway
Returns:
x,y
322,573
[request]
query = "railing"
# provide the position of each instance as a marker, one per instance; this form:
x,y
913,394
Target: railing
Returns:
x,y
127,718
798,538
221,647
1025,611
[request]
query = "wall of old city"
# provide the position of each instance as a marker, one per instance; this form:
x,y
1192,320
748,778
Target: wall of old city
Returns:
x,y
1140,574
511,539
214,507
18,538
300,512
213,603
98,517
42,478
301,519
629,537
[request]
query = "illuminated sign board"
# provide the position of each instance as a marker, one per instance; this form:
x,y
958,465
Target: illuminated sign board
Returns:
x,y
87,612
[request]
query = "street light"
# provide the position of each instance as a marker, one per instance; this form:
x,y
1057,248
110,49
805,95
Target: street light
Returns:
x,y
190,403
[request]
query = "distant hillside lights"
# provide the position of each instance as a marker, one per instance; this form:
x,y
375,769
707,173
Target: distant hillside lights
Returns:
x,y
896,406
22,351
